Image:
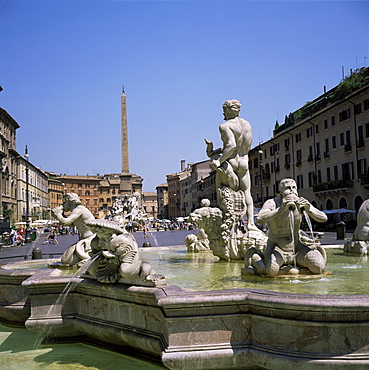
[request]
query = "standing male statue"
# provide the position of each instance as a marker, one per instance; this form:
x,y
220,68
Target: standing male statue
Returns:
x,y
232,161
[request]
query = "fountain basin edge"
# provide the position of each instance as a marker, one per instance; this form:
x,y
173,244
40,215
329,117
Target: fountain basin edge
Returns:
x,y
226,329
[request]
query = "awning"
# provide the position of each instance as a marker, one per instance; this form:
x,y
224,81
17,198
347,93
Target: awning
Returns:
x,y
341,210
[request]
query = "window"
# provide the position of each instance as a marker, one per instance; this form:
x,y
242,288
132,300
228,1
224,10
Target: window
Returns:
x,y
299,182
360,133
344,115
366,104
357,108
348,171
311,178
287,144
361,166
256,161
287,160
298,157
325,124
334,145
317,151
333,121
326,146
319,177
342,139
348,141
367,130
298,137
310,157
328,174
309,132
335,172
317,128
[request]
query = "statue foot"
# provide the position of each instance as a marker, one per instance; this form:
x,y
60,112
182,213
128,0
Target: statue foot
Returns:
x,y
248,270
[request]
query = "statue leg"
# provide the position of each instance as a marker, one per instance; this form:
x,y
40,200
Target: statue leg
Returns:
x,y
273,261
311,259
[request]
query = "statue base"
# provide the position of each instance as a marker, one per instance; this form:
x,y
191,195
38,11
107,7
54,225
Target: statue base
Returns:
x,y
356,247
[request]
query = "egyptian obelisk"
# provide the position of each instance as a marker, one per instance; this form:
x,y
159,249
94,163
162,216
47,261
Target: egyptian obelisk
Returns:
x,y
125,161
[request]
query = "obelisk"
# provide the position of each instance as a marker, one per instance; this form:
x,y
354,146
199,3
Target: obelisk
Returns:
x,y
125,161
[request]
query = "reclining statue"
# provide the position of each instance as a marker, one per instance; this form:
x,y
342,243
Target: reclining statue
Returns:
x,y
118,257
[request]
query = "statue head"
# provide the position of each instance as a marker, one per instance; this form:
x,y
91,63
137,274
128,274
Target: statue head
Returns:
x,y
231,109
205,203
288,187
71,200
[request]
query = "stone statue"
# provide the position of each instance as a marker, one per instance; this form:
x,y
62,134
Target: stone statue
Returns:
x,y
127,209
76,254
231,162
360,240
197,243
287,249
229,237
118,258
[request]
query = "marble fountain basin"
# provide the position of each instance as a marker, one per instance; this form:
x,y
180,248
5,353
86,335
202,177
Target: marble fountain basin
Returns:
x,y
242,324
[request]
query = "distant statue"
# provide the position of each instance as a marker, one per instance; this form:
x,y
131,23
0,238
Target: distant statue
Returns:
x,y
210,219
287,247
360,239
119,257
127,210
197,243
76,254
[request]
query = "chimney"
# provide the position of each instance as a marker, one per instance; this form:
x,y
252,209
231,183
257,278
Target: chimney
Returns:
x,y
183,165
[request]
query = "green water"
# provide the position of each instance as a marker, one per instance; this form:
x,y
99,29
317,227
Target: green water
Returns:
x,y
17,351
199,271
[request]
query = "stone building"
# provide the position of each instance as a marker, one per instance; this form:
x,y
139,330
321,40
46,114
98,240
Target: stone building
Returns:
x,y
150,204
8,165
162,200
56,191
38,191
324,146
86,187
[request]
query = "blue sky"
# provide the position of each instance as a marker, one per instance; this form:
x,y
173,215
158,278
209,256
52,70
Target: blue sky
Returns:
x,y
64,62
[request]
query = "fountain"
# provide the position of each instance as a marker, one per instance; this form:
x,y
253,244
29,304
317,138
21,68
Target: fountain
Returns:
x,y
120,302
360,240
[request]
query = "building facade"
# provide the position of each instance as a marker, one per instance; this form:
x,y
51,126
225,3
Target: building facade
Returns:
x,y
162,200
34,181
150,205
324,146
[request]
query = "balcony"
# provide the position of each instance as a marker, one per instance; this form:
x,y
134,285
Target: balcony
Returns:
x,y
327,155
348,148
317,157
364,179
333,185
287,166
310,158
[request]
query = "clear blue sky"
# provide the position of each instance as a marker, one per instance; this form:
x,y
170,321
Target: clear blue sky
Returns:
x,y
63,64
